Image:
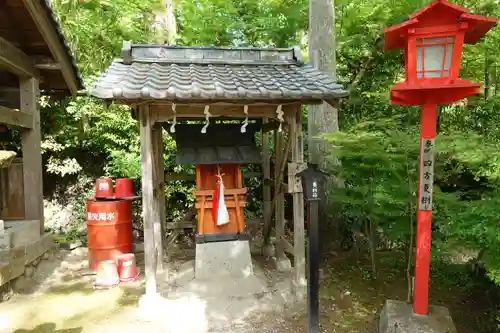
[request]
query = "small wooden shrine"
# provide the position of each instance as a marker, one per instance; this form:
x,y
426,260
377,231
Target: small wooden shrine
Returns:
x,y
172,86
218,149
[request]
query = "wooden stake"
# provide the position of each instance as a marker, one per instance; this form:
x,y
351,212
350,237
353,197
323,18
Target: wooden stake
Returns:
x,y
313,268
298,206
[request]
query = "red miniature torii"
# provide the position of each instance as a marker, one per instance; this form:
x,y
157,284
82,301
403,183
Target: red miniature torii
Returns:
x,y
432,39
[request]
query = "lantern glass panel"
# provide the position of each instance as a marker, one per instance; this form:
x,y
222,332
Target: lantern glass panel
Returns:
x,y
434,57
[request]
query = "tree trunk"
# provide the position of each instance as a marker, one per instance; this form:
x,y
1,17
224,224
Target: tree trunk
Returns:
x,y
494,78
165,23
487,83
322,118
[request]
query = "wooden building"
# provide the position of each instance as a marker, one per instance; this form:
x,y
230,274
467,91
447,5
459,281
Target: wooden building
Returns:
x,y
172,84
35,59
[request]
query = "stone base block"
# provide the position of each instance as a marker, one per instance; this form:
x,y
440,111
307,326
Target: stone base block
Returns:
x,y
222,259
23,232
398,317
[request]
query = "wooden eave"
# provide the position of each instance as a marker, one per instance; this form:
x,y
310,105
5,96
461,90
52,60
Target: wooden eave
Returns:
x,y
32,45
52,35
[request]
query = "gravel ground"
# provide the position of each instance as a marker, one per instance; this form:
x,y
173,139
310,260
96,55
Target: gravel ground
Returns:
x,y
60,299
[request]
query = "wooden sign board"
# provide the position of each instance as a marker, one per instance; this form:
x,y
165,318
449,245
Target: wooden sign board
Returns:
x,y
426,174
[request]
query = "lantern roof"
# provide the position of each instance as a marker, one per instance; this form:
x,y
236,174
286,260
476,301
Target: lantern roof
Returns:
x,y
439,13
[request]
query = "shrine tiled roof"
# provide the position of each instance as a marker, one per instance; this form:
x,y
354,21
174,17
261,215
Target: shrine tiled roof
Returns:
x,y
178,73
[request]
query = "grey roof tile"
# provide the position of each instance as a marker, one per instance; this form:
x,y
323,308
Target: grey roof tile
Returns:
x,y
183,73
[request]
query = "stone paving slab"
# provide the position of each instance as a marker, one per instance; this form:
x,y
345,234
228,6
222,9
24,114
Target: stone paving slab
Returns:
x,y
64,299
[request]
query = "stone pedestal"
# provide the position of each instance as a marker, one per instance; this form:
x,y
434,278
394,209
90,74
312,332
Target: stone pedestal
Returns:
x,y
222,259
23,232
398,317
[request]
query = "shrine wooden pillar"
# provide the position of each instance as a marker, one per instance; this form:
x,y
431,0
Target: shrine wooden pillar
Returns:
x,y
280,154
27,119
149,208
266,175
32,151
297,164
159,212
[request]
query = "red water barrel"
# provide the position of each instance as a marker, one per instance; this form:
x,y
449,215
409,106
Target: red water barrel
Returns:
x,y
109,225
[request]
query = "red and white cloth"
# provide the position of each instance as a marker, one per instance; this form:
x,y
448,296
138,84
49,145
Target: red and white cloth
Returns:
x,y
219,209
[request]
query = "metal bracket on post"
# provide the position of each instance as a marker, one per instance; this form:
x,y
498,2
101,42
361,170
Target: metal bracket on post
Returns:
x,y
294,179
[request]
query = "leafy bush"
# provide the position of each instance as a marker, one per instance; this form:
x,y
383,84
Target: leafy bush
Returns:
x,y
379,161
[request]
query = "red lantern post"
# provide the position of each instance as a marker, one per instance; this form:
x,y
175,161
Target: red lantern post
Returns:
x,y
432,40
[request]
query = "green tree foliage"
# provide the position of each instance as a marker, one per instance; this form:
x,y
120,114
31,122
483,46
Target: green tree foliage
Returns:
x,y
247,23
379,151
378,200
84,126
96,28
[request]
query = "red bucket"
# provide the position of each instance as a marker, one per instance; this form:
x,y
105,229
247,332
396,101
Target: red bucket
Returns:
x,y
104,188
127,268
124,188
107,275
